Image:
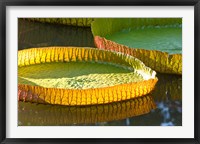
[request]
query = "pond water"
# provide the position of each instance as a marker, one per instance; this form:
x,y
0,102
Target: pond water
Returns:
x,y
162,107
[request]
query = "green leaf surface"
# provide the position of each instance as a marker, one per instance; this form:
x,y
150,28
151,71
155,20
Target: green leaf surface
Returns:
x,y
76,75
166,39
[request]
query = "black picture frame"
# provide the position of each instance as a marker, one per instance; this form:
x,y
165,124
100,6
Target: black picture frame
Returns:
x,y
5,3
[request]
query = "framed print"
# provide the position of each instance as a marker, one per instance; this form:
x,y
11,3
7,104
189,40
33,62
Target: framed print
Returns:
x,y
99,71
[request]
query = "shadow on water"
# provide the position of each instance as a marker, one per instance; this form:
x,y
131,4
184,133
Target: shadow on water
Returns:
x,y
35,34
167,94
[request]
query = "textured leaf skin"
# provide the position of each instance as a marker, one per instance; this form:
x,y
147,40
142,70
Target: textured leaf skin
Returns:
x,y
159,61
66,115
83,22
83,96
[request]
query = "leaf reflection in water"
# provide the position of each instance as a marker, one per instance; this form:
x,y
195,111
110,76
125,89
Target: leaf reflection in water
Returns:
x,y
40,114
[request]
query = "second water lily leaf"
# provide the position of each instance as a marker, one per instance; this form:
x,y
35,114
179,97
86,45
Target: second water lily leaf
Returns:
x,y
81,76
157,42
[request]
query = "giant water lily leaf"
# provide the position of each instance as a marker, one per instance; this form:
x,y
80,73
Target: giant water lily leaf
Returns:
x,y
81,76
40,114
84,22
156,42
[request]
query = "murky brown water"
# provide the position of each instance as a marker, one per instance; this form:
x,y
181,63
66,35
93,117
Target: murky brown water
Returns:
x,y
162,107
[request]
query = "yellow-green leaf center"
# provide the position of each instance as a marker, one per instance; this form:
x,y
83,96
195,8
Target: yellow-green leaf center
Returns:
x,y
76,75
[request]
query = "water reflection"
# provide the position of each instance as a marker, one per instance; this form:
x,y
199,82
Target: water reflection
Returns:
x,y
167,95
40,114
168,88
